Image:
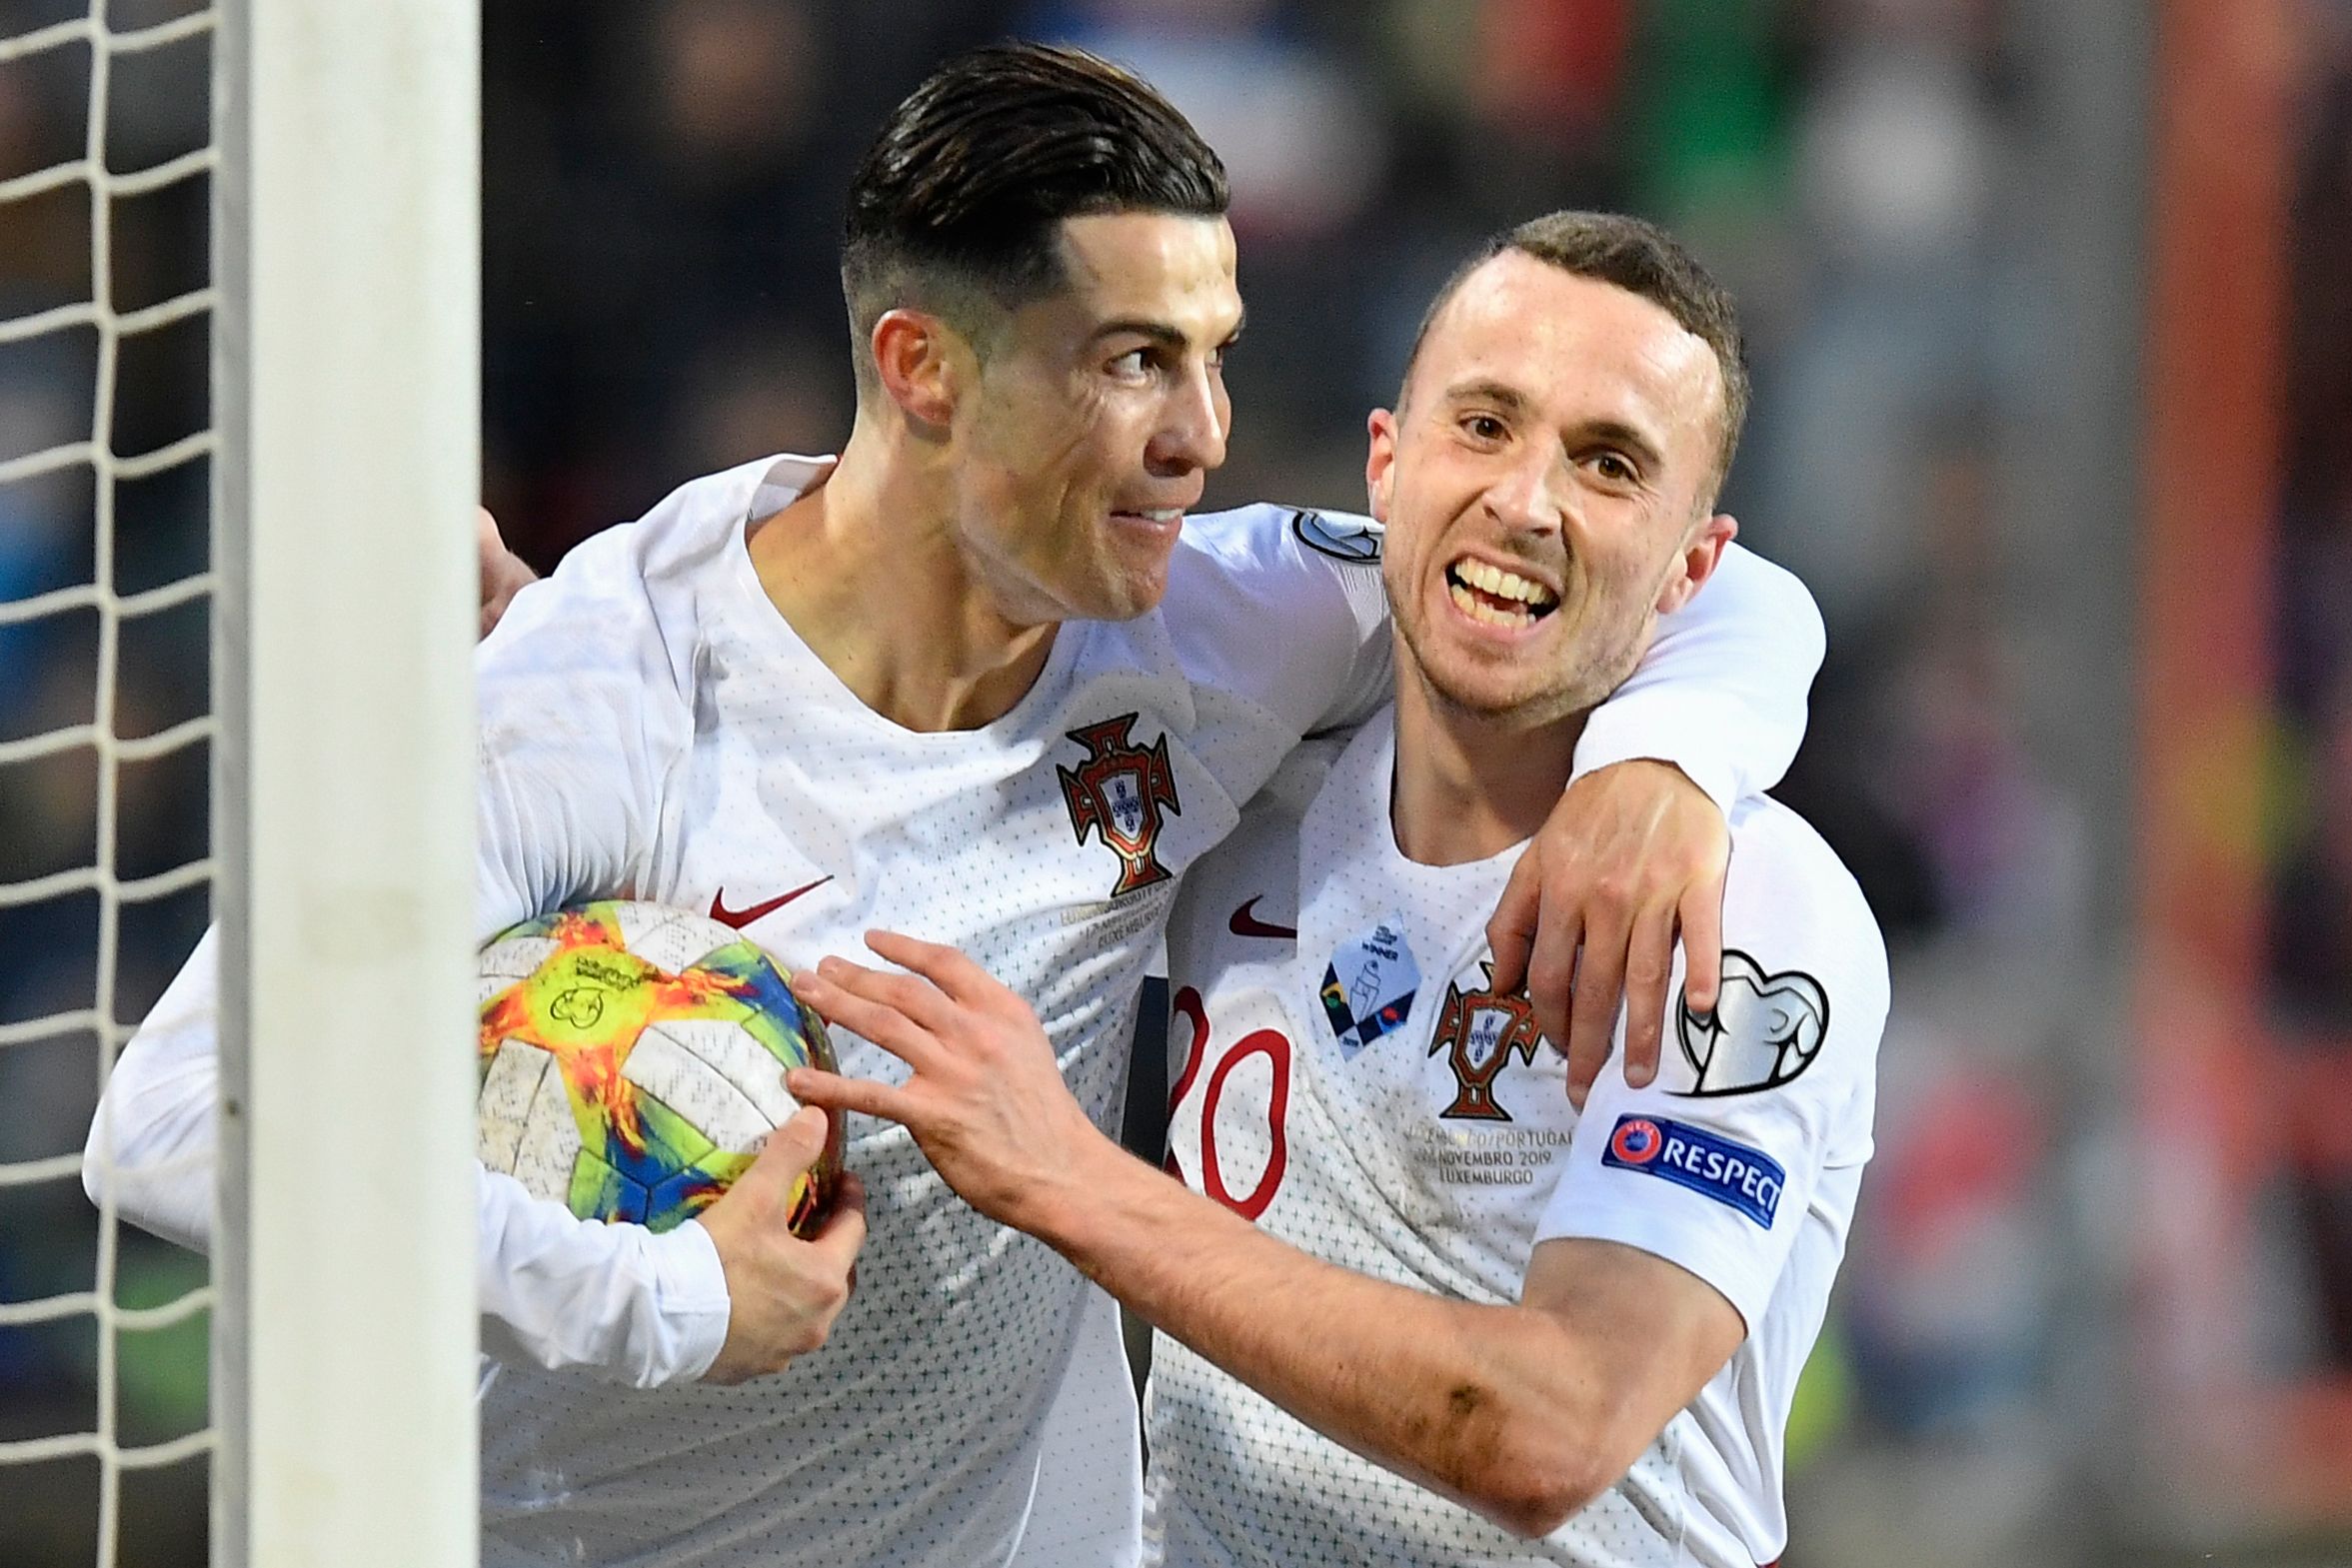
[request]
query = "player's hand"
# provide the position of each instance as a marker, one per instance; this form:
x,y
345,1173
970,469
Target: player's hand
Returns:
x,y
782,1293
503,572
986,1103
1631,852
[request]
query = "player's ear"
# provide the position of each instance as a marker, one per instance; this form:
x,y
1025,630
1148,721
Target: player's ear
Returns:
x,y
1702,552
1379,463
916,356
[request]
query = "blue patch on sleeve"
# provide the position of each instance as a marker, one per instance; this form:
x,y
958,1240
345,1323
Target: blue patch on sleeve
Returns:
x,y
1731,1174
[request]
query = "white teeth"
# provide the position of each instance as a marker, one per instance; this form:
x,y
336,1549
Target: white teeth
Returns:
x,y
1501,584
1479,609
1156,514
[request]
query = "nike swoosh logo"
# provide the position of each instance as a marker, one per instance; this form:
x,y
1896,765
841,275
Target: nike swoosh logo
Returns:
x,y
739,919
1247,924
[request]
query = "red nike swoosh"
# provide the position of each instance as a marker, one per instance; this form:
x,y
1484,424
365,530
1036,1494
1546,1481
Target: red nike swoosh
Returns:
x,y
1247,924
739,919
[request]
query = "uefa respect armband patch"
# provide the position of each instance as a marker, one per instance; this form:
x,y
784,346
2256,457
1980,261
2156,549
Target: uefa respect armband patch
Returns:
x,y
1733,1175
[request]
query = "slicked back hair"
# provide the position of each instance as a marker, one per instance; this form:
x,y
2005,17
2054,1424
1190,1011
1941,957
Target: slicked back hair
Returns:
x,y
1642,259
958,203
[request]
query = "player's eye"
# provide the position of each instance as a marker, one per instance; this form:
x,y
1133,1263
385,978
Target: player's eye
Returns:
x,y
1614,467
1484,428
1129,366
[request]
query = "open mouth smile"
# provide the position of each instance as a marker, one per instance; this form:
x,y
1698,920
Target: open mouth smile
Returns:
x,y
1494,596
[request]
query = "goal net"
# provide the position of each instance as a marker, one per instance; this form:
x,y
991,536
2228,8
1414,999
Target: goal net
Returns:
x,y
238,348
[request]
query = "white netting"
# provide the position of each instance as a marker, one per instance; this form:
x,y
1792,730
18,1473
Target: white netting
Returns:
x,y
104,600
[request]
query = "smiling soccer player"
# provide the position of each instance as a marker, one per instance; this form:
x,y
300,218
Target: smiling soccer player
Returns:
x,y
1420,1308
983,675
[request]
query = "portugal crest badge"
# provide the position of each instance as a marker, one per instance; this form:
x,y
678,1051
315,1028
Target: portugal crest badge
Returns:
x,y
1117,792
1479,1031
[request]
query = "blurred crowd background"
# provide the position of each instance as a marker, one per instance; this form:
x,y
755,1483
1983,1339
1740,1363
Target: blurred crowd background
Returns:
x,y
2050,308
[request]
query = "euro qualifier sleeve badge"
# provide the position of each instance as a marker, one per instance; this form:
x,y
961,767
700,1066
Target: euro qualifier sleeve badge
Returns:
x,y
1764,1030
1354,540
1368,987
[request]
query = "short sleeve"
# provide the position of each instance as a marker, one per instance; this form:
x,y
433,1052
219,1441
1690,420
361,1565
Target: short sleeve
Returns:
x,y
1716,1163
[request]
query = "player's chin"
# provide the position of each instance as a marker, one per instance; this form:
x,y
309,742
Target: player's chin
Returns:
x,y
1481,694
1131,586
1524,681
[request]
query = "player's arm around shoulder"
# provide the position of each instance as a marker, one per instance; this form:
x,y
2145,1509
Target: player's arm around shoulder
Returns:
x,y
1720,691
1635,852
1284,606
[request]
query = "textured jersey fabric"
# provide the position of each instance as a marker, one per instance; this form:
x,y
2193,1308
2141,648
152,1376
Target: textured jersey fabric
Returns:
x,y
652,727
1435,1148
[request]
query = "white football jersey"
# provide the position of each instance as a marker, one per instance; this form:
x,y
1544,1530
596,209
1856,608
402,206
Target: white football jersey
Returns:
x,y
652,727
1345,1076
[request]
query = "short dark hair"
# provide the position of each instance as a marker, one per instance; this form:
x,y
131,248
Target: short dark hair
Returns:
x,y
1642,259
959,199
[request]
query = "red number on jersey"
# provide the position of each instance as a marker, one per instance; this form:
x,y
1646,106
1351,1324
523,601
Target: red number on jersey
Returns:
x,y
1276,1048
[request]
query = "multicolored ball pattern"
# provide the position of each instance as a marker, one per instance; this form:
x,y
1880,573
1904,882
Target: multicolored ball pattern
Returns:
x,y
633,1059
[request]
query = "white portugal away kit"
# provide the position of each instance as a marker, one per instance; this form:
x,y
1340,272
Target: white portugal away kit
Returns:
x,y
1346,1077
650,727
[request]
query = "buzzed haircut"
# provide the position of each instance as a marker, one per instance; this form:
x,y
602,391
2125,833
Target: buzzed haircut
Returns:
x,y
956,205
1642,259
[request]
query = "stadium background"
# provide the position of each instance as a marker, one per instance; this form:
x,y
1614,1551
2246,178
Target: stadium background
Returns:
x,y
2051,313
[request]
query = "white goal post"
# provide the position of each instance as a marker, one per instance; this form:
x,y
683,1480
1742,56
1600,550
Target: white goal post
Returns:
x,y
347,344
343,303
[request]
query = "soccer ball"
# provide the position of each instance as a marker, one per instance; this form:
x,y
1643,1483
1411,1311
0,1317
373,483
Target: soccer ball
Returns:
x,y
633,1061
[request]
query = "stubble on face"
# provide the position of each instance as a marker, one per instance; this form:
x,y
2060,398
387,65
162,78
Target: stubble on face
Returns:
x,y
1560,429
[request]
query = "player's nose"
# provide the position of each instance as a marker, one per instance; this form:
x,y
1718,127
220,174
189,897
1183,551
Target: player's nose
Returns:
x,y
1191,434
1528,496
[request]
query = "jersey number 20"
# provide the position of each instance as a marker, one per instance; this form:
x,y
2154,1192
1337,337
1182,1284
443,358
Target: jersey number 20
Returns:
x,y
1276,1048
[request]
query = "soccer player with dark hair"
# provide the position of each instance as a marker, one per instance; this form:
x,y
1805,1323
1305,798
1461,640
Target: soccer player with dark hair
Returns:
x,y
978,677
1480,1317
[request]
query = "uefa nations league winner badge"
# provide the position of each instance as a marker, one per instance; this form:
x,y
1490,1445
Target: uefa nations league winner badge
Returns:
x,y
1368,987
